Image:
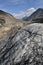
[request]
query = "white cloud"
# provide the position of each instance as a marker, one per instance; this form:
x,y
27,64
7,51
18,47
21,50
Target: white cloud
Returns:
x,y
22,14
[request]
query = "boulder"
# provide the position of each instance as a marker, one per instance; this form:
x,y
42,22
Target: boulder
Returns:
x,y
24,47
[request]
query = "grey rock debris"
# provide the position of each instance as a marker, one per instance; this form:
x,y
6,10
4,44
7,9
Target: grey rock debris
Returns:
x,y
25,47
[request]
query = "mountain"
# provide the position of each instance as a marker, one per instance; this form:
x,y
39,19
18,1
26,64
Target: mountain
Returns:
x,y
25,47
8,25
25,13
36,16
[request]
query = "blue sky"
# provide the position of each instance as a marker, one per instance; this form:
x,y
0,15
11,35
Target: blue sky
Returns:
x,y
16,6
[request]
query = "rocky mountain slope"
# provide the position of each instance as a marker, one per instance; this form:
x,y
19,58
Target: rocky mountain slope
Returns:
x,y
25,47
36,16
8,25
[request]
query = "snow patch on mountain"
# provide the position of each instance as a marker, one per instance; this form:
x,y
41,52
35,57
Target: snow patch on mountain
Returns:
x,y
26,13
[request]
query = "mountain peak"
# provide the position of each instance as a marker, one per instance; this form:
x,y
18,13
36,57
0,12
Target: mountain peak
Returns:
x,y
38,14
25,13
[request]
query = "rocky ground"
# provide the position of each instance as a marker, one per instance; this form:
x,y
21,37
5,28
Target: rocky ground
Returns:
x,y
24,47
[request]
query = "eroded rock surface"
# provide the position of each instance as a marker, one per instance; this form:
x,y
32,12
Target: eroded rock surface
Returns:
x,y
25,47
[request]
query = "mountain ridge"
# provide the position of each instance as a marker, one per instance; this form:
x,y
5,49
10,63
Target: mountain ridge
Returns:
x,y
36,14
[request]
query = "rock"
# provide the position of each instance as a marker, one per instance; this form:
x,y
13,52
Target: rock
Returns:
x,y
25,47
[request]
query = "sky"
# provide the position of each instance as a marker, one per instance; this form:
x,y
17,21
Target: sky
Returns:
x,y
18,6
